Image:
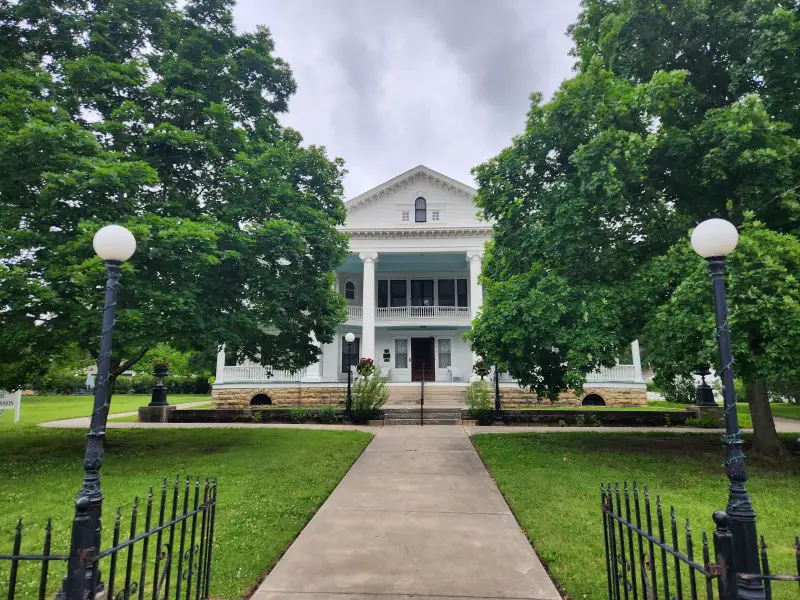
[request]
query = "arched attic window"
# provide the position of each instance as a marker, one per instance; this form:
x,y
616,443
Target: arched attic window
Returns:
x,y
350,290
420,210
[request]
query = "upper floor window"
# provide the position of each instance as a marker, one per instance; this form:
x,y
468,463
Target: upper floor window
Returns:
x,y
405,216
420,210
350,290
434,215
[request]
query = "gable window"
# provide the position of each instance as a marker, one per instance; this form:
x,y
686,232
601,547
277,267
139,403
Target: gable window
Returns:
x,y
420,210
405,216
350,290
434,215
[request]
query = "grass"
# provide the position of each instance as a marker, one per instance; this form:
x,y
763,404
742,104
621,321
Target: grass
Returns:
x,y
552,483
38,409
271,482
650,406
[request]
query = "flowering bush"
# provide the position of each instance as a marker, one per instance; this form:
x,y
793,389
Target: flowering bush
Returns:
x,y
480,368
365,367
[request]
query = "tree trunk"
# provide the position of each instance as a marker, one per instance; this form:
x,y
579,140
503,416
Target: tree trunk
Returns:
x,y
765,435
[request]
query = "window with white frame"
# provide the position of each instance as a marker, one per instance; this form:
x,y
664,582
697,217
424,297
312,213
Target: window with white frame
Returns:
x,y
401,353
445,357
350,290
405,216
434,215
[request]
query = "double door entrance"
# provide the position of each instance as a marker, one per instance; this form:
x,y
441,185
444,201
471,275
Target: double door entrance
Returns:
x,y
423,359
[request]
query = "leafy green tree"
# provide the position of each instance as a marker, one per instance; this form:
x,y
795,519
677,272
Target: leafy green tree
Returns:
x,y
163,119
677,114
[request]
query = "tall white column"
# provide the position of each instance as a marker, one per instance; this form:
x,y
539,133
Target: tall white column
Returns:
x,y
475,294
220,375
368,323
314,371
475,289
637,360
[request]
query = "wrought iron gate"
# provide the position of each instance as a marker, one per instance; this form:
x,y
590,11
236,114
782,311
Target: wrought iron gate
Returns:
x,y
644,559
165,555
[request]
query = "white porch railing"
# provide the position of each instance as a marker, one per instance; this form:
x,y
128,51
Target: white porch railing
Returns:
x,y
259,373
355,312
618,373
422,312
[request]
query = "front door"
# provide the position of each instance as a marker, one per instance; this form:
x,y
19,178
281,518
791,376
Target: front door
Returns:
x,y
423,363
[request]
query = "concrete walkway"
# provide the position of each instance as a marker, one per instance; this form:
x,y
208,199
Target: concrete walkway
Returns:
x,y
417,516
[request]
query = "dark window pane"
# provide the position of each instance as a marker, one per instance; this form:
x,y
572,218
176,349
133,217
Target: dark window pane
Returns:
x,y
422,292
383,293
420,210
398,295
350,290
462,292
447,292
355,350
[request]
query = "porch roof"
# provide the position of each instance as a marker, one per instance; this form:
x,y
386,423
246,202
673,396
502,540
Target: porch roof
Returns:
x,y
425,262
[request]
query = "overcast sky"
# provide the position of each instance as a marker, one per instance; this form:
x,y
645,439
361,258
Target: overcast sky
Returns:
x,y
390,84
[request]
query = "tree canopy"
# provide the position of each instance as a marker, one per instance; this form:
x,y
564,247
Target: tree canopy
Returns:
x,y
164,119
680,111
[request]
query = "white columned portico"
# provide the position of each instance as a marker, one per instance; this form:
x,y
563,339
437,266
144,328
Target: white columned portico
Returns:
x,y
220,376
368,323
637,360
475,289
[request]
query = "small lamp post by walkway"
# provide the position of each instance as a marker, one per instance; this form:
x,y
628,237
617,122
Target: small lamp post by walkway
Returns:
x,y
714,239
115,245
498,415
349,338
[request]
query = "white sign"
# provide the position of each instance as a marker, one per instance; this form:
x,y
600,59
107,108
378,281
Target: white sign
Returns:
x,y
11,400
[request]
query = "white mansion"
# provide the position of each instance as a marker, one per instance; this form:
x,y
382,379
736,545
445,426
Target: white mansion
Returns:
x,y
411,285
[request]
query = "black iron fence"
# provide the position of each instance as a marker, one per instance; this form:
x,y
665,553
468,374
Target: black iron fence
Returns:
x,y
165,554
644,559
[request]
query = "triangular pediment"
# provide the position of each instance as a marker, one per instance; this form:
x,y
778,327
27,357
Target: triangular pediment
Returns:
x,y
384,205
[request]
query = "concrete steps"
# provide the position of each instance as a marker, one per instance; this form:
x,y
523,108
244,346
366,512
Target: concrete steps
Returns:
x,y
431,416
435,395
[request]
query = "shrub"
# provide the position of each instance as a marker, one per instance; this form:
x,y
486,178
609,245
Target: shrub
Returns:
x,y
680,390
299,414
370,393
326,414
479,402
704,422
580,420
652,386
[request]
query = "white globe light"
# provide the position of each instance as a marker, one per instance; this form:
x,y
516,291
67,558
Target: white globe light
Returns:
x,y
714,237
349,337
114,242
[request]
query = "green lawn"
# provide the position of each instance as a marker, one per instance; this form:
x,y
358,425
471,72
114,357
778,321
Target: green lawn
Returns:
x,y
37,409
552,483
271,481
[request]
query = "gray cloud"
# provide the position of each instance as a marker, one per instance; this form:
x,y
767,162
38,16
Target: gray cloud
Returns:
x,y
388,85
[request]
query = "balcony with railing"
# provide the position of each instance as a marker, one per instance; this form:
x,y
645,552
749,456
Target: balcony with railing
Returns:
x,y
396,313
460,314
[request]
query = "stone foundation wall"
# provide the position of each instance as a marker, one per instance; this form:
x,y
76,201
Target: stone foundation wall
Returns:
x,y
287,396
514,397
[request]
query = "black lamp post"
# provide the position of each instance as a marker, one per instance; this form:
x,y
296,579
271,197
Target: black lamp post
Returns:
x,y
714,239
498,415
115,245
349,338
